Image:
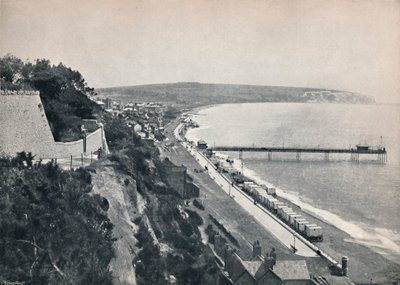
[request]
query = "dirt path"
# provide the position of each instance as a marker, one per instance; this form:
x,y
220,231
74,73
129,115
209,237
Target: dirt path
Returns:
x,y
110,185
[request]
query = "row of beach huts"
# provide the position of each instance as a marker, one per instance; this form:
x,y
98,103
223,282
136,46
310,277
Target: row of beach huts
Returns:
x,y
266,196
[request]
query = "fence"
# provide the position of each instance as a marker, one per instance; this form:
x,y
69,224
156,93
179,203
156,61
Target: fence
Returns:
x,y
73,162
12,283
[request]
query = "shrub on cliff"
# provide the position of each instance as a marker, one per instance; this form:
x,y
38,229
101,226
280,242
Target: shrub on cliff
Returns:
x,y
194,217
52,230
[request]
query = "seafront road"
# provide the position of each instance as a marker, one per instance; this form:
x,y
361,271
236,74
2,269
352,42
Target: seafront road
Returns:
x,y
284,235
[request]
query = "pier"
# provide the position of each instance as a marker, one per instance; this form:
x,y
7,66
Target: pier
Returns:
x,y
354,152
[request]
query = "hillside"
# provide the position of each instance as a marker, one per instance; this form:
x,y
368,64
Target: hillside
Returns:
x,y
198,94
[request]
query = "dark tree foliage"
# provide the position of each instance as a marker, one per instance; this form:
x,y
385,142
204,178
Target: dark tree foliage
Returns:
x,y
63,91
181,234
171,113
194,217
119,136
51,230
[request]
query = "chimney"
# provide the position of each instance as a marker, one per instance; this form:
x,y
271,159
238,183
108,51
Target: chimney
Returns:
x,y
272,255
256,249
270,261
345,260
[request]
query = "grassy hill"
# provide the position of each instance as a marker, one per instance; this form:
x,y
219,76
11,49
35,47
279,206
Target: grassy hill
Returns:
x,y
198,94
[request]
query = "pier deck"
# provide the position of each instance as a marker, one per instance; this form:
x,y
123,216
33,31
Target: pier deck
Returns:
x,y
354,152
294,149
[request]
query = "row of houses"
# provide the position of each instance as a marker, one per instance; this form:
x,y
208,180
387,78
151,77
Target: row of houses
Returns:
x,y
258,269
117,106
251,267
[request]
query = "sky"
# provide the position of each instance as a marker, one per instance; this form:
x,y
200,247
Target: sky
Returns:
x,y
343,44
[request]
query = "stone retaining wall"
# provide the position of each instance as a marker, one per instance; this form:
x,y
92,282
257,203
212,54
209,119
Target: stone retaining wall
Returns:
x,y
24,127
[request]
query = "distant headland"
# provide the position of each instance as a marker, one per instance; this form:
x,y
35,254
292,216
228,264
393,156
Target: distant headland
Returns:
x,y
199,94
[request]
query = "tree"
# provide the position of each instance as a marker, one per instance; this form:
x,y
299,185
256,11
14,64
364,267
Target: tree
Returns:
x,y
10,71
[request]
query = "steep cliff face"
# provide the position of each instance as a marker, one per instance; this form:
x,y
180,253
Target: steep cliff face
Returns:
x,y
124,205
157,239
335,97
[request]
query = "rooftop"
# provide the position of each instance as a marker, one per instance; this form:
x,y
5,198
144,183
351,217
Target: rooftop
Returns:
x,y
291,269
252,266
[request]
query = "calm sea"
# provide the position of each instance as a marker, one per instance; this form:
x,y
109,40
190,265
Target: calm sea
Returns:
x,y
359,198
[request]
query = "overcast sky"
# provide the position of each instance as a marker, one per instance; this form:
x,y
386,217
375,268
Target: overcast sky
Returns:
x,y
341,44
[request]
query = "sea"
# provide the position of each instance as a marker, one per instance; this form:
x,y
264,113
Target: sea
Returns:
x,y
361,198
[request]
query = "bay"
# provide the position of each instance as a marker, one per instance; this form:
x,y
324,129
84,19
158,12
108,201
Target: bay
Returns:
x,y
360,198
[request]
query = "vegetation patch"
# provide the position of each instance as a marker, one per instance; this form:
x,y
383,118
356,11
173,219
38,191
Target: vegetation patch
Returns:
x,y
52,229
198,204
222,228
194,217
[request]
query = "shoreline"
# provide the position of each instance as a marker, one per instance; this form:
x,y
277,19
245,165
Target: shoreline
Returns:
x,y
356,232
340,241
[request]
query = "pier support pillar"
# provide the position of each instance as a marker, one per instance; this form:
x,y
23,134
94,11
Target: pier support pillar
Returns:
x,y
327,156
355,156
298,156
269,155
240,154
382,157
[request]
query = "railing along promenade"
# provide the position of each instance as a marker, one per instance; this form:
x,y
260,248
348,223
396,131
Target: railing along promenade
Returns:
x,y
354,152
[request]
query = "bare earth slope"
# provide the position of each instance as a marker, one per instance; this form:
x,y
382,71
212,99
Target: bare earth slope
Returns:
x,y
112,186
